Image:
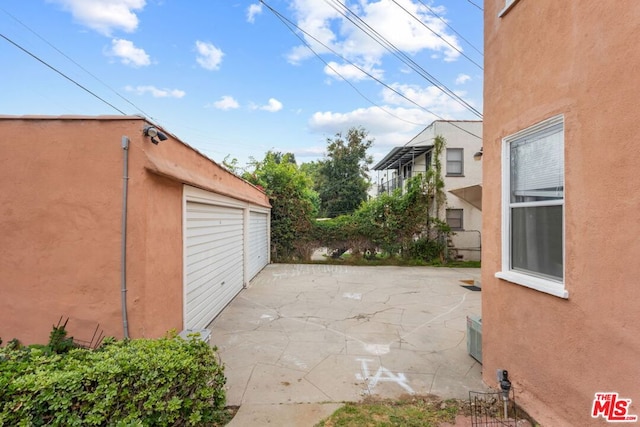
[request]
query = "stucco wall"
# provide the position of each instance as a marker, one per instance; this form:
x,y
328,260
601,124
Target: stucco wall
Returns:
x,y
60,222
545,58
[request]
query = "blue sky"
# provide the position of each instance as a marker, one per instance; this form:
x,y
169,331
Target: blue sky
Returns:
x,y
230,78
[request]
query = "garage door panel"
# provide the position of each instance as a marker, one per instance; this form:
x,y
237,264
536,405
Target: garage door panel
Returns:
x,y
205,223
203,304
213,275
213,260
202,308
204,233
205,251
205,293
258,242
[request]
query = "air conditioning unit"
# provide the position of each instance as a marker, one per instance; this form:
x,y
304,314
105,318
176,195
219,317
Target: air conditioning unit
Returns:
x,y
474,337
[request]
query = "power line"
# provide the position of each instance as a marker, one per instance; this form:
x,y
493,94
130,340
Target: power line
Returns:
x,y
475,5
403,57
437,35
450,27
289,26
61,73
76,63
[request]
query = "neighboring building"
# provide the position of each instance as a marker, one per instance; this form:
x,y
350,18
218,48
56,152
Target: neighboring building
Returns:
x,y
195,233
461,173
561,204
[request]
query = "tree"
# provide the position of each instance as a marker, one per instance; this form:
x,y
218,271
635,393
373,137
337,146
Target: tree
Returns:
x,y
293,204
231,164
312,169
343,180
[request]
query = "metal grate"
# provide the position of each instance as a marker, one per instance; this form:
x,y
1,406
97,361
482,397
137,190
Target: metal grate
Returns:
x,y
490,409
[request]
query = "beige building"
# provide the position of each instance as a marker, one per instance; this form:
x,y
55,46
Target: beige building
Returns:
x,y
561,204
120,227
462,176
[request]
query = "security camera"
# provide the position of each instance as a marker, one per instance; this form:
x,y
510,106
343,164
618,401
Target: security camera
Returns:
x,y
153,132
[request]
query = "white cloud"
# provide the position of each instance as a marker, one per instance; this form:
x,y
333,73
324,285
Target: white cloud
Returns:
x,y
397,120
315,18
128,53
350,72
226,103
156,92
387,131
104,16
252,11
209,56
462,79
373,119
312,153
430,98
272,106
400,28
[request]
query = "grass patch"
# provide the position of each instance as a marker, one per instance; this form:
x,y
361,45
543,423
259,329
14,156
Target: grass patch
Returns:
x,y
462,264
408,411
348,259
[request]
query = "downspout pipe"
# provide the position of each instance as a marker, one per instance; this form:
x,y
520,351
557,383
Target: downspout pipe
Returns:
x,y
123,252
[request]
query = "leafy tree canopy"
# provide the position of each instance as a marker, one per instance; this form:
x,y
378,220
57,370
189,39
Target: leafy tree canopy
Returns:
x,y
342,180
293,202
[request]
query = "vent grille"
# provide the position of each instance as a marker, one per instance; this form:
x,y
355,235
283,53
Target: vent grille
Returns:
x,y
474,337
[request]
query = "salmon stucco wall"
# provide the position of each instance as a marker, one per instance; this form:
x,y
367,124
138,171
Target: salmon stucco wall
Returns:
x,y
60,222
579,59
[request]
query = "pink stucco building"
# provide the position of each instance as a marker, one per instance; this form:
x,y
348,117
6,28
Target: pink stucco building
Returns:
x,y
561,205
195,233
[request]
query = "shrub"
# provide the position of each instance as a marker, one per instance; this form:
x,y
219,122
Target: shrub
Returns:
x,y
425,249
168,381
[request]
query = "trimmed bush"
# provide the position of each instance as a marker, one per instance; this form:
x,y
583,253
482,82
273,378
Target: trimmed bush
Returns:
x,y
168,381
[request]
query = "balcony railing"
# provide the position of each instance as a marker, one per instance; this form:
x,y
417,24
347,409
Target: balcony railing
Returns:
x,y
392,184
388,186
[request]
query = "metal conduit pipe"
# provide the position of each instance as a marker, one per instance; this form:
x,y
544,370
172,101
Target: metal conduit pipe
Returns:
x,y
123,252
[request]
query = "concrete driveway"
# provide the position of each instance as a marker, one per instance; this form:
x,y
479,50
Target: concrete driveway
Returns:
x,y
304,338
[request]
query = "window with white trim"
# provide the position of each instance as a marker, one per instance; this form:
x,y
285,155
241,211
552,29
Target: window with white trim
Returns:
x,y
508,4
455,165
454,218
533,207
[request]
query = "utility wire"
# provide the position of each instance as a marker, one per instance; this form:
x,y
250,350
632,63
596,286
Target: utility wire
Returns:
x,y
367,29
290,25
433,12
61,73
403,57
475,5
437,35
76,63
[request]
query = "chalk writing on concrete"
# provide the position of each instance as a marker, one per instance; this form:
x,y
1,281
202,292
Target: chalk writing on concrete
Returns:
x,y
381,375
377,349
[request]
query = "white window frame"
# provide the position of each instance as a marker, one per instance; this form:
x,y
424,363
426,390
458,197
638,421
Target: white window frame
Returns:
x,y
508,4
542,284
461,211
461,161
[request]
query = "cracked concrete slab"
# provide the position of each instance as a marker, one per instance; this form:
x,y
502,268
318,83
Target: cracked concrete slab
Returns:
x,y
301,339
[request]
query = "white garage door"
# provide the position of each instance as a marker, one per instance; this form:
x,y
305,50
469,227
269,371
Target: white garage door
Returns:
x,y
258,243
213,261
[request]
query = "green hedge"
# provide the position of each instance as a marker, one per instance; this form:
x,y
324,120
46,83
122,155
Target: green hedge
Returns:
x,y
167,381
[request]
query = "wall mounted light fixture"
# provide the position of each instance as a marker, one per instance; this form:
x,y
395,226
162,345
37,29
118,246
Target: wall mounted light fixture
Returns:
x,y
153,132
478,155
